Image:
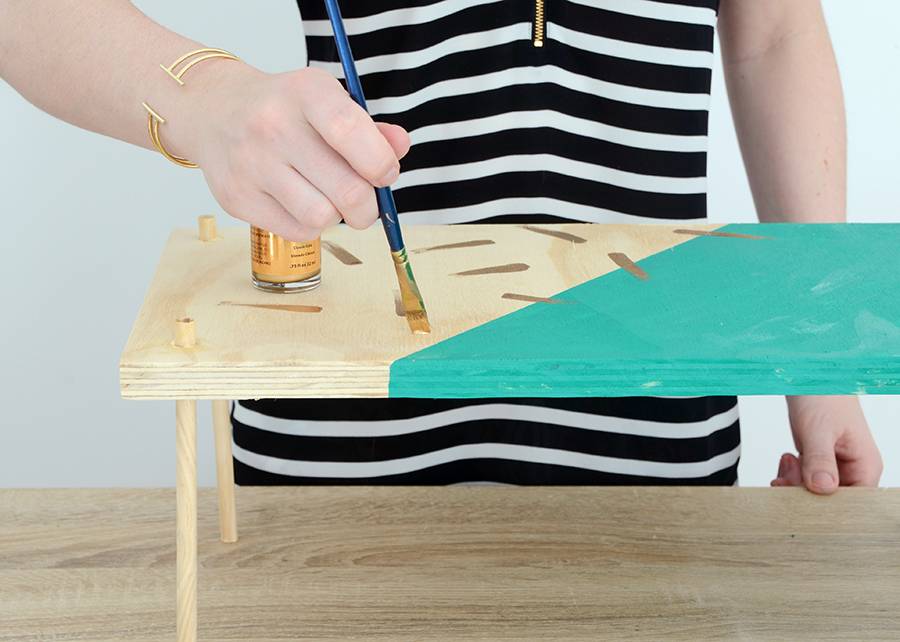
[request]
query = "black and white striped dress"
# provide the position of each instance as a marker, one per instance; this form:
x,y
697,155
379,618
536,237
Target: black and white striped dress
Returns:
x,y
606,122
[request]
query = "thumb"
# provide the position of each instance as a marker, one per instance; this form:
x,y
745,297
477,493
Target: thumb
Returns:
x,y
817,461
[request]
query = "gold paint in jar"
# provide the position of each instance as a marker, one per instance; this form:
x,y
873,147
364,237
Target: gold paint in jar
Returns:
x,y
279,265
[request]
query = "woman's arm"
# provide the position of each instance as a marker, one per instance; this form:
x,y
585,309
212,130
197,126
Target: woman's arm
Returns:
x,y
289,152
788,107
93,63
788,110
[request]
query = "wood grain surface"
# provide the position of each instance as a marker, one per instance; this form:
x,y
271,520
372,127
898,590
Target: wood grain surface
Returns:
x,y
458,563
246,348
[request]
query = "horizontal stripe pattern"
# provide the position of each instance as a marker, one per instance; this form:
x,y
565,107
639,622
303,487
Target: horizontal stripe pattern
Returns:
x,y
522,211
701,14
463,471
473,170
537,76
389,449
631,50
409,17
605,123
564,147
481,412
650,409
372,470
363,18
557,188
586,129
494,96
616,103
503,56
384,441
481,40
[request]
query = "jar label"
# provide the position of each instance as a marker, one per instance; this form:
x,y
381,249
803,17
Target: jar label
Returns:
x,y
275,258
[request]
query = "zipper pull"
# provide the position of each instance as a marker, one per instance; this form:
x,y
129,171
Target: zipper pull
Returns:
x,y
539,26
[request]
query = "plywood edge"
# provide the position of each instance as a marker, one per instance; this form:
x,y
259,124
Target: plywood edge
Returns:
x,y
253,381
555,378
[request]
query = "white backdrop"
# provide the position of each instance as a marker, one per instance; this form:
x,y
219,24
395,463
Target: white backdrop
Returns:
x,y
85,218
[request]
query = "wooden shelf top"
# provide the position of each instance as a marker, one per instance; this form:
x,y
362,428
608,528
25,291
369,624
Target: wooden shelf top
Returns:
x,y
559,310
458,563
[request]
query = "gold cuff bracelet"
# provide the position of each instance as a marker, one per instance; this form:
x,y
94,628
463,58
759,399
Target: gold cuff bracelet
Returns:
x,y
176,71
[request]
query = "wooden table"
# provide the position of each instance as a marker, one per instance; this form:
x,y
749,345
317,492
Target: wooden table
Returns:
x,y
551,311
459,563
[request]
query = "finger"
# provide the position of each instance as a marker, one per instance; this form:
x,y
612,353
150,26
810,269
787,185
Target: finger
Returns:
x,y
788,472
818,462
781,465
271,216
792,470
396,136
259,208
350,131
351,195
307,205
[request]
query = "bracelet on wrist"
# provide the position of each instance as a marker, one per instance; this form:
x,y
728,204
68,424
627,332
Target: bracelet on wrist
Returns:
x,y
176,71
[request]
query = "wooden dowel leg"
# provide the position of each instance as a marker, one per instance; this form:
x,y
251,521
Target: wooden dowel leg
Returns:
x,y
221,410
186,520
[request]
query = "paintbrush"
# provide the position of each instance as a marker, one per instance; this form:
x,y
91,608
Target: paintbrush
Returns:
x,y
413,305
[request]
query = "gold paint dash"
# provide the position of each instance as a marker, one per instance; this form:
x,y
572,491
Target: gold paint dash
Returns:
x,y
730,235
275,306
495,269
342,255
453,246
565,236
628,265
530,299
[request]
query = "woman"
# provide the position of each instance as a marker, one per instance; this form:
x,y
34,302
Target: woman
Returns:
x,y
520,111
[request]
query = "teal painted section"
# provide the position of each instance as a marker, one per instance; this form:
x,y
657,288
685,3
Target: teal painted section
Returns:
x,y
812,310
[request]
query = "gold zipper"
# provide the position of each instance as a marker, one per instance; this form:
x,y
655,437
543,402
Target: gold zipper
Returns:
x,y
539,27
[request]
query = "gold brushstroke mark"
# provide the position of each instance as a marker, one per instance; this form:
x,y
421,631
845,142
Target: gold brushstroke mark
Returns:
x,y
495,269
565,236
275,306
628,265
530,299
398,304
731,235
341,254
453,246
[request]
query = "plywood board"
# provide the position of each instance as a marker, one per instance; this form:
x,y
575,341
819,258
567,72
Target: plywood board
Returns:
x,y
561,310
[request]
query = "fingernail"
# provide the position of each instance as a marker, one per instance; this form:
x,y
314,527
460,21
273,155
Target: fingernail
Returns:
x,y
823,480
391,176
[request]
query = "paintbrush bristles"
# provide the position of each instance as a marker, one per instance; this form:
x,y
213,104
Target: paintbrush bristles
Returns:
x,y
418,322
413,305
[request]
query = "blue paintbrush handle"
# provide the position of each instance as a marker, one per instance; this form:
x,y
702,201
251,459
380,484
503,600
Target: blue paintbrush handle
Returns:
x,y
383,195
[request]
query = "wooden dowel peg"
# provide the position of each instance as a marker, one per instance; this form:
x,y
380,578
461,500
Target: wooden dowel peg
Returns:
x,y
207,227
221,410
186,520
185,335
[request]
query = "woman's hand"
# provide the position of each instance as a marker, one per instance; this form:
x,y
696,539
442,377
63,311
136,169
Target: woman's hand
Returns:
x,y
835,446
291,153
